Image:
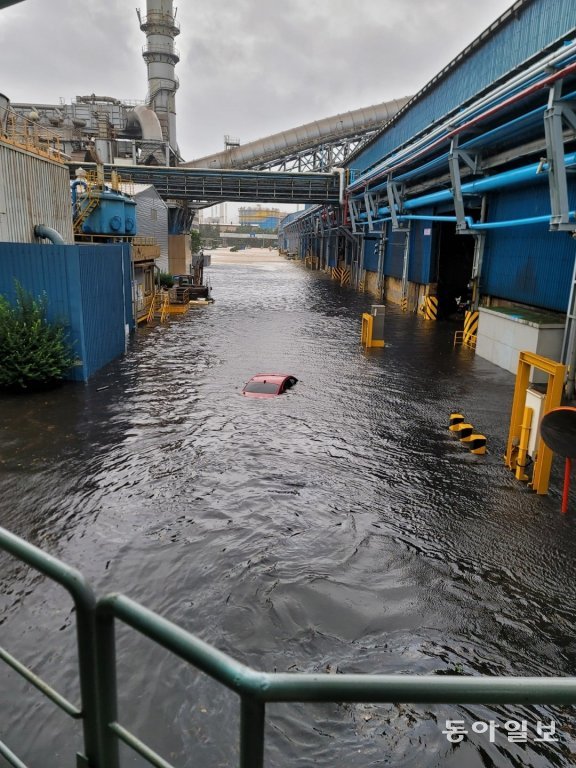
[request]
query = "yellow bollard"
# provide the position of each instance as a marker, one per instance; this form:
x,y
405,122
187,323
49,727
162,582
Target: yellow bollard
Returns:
x,y
476,444
455,418
463,431
523,445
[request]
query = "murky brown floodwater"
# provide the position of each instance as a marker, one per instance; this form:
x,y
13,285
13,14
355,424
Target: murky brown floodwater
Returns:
x,y
338,526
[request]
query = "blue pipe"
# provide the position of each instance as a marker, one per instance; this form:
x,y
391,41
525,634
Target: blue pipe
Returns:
x,y
438,162
470,221
480,186
48,233
454,122
74,193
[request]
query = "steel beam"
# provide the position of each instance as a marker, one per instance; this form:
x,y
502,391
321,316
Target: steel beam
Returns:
x,y
454,156
558,113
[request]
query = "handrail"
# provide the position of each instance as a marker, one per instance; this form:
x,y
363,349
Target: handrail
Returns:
x,y
97,651
84,601
258,688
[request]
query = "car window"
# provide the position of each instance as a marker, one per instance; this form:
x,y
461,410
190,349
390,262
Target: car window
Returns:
x,y
267,387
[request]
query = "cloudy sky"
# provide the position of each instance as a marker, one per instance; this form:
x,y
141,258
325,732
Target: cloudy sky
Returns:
x,y
248,68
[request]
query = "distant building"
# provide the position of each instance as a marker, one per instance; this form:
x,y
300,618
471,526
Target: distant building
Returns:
x,y
257,216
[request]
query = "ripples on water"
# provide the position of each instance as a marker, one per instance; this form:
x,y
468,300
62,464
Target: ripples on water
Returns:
x,y
337,528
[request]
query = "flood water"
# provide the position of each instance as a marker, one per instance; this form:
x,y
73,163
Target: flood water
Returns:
x,y
338,528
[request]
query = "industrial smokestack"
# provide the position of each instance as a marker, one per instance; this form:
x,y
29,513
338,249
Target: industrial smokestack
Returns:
x,y
161,57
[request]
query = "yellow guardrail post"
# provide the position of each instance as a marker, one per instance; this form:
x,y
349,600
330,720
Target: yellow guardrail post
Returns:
x,y
556,376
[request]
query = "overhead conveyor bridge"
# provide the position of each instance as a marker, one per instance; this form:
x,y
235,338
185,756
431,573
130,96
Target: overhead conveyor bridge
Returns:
x,y
201,184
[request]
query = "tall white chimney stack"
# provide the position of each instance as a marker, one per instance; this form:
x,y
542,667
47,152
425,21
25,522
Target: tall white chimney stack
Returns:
x,y
161,57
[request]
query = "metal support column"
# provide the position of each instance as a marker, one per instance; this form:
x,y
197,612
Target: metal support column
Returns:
x,y
405,264
454,157
381,253
395,198
557,113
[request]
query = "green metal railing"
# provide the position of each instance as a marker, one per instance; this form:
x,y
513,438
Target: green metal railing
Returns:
x,y
97,666
85,604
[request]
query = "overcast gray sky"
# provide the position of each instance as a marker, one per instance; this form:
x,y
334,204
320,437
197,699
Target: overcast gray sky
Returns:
x,y
248,68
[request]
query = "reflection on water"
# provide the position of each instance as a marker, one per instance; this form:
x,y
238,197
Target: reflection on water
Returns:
x,y
338,528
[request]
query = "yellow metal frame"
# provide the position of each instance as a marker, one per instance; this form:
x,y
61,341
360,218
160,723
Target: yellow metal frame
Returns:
x,y
556,377
367,332
466,339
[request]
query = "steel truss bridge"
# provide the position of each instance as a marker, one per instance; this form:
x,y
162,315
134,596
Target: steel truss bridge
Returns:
x,y
205,187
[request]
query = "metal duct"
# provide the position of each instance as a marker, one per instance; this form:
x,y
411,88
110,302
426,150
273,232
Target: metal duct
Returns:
x,y
148,121
304,137
49,233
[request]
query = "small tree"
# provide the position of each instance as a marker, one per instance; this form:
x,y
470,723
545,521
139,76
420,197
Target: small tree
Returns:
x,y
33,351
195,242
165,280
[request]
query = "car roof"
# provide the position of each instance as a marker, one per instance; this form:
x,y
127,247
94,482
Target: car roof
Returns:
x,y
274,377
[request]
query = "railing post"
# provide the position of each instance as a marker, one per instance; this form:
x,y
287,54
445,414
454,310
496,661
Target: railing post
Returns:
x,y
77,587
251,733
107,693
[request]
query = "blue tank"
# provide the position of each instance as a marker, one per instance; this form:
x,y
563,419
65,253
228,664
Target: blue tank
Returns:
x,y
108,216
130,219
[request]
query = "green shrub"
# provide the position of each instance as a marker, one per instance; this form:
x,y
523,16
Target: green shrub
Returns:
x,y
165,280
33,352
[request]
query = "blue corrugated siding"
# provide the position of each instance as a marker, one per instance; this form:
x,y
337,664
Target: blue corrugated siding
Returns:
x,y
102,284
537,26
88,288
371,255
394,258
420,248
530,265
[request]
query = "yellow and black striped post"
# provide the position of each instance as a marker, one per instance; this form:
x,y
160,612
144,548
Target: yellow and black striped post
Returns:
x,y
430,307
404,304
470,327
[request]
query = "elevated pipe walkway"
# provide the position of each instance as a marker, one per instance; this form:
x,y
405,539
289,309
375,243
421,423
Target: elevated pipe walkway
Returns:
x,y
194,184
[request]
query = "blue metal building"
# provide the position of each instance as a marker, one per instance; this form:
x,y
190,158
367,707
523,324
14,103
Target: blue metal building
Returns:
x,y
468,192
88,287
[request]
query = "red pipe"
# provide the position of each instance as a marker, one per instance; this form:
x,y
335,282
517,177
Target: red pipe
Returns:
x,y
511,100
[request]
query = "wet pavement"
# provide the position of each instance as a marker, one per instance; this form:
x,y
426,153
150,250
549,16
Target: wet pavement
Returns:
x,y
339,527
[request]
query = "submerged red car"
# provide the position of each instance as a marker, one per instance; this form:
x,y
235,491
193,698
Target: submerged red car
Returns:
x,y
269,384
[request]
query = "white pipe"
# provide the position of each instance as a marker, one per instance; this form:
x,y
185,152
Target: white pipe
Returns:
x,y
303,137
341,172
